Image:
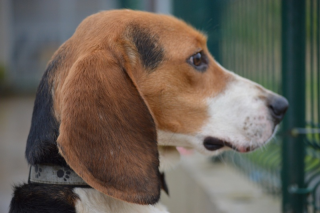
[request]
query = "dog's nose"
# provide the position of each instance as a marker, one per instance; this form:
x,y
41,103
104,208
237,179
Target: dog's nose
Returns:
x,y
278,106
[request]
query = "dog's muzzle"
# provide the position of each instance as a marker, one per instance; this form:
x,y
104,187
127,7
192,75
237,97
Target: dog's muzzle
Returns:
x,y
277,106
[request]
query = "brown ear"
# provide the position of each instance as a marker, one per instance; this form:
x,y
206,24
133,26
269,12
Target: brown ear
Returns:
x,y
107,134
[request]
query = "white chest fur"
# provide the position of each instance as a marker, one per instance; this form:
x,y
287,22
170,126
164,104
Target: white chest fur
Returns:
x,y
91,200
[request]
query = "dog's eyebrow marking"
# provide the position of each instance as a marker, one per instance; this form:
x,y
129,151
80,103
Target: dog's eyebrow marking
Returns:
x,y
150,51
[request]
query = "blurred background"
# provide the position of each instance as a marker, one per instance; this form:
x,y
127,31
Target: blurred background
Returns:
x,y
273,42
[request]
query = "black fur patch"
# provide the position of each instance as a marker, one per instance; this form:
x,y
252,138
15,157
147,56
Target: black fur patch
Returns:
x,y
41,143
150,51
164,185
32,198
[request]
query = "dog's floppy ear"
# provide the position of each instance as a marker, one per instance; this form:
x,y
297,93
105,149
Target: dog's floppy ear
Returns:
x,y
107,134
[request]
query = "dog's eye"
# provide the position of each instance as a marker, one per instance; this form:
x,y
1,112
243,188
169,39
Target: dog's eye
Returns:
x,y
198,61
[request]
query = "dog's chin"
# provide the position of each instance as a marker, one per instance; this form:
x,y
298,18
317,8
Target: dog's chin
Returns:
x,y
216,145
219,145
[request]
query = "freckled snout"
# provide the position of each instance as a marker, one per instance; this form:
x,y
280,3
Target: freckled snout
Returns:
x,y
278,106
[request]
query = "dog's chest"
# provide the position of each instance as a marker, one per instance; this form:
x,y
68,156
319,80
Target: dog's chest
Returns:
x,y
91,200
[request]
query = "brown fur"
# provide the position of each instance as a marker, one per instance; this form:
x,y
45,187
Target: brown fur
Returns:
x,y
116,128
109,106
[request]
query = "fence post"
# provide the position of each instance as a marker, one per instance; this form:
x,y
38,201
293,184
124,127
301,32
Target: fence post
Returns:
x,y
293,86
130,4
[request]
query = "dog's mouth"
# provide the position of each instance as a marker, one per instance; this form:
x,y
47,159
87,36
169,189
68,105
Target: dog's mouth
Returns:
x,y
213,144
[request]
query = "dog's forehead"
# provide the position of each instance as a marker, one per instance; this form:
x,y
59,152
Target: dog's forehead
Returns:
x,y
173,33
177,34
178,39
165,25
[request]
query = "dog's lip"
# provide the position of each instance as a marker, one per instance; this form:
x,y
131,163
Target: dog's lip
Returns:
x,y
213,144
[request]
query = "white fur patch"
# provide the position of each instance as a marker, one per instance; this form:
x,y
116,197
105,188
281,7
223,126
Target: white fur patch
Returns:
x,y
239,115
169,157
93,201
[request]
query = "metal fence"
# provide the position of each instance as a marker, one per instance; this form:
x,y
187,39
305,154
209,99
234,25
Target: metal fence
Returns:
x,y
251,46
275,43
312,131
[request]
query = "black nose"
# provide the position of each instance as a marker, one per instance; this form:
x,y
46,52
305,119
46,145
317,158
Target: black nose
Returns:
x,y
278,106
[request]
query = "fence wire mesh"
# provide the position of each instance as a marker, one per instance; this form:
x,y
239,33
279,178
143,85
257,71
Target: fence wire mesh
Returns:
x,y
251,46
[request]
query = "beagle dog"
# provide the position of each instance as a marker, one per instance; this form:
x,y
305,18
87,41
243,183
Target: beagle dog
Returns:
x,y
116,100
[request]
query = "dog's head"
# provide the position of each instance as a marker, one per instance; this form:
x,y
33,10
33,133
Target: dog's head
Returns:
x,y
127,83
